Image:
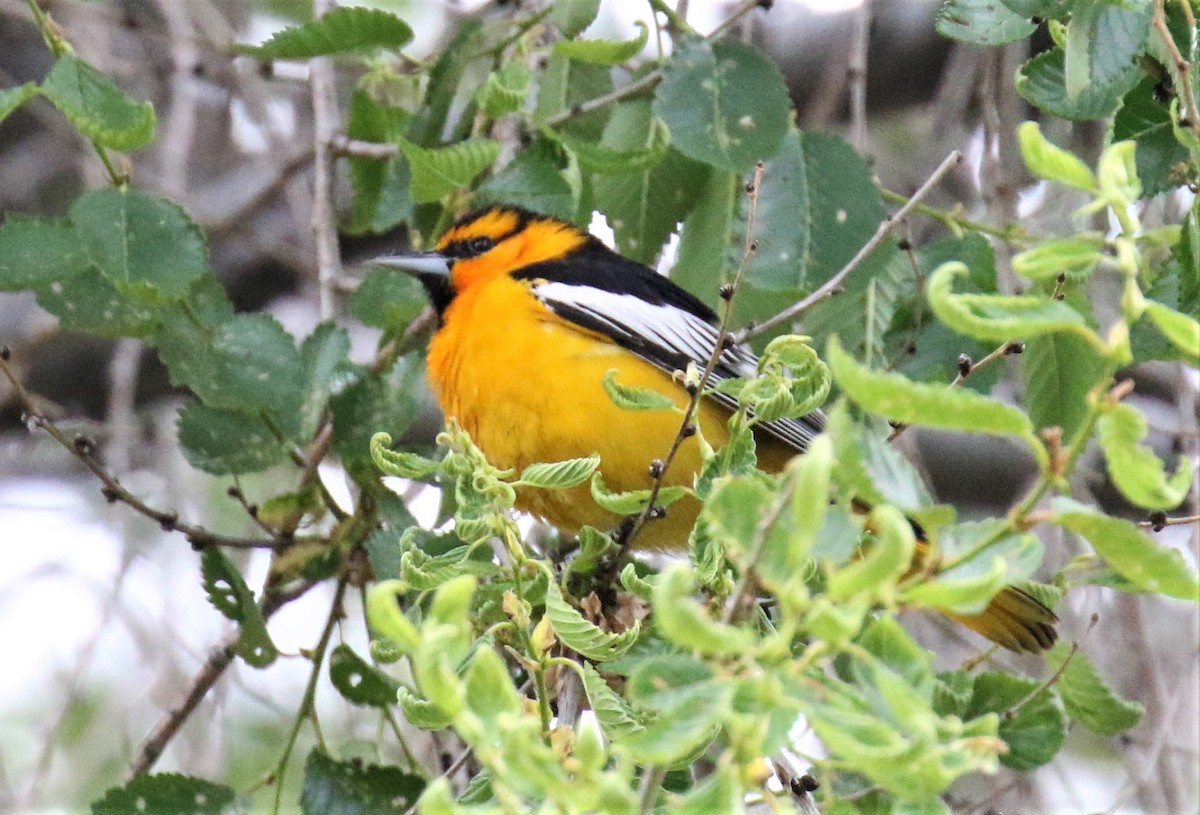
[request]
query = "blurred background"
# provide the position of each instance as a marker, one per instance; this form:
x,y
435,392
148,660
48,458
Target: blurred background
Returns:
x,y
103,621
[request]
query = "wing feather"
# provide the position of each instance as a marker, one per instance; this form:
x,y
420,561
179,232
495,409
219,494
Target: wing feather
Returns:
x,y
668,337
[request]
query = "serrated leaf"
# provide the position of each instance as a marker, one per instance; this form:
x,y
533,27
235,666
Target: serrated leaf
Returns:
x,y
681,620
359,681
504,91
1001,317
11,98
421,712
127,234
1087,699
633,501
1042,81
967,587
1035,731
380,185
634,583
440,171
386,617
226,442
725,104
346,787
400,463
1102,44
36,252
338,31
616,716
228,593
1147,121
634,397
389,402
1117,173
605,52
582,636
97,107
902,400
535,180
324,358
1059,371
560,474
883,563
599,158
688,705
490,691
1134,467
982,22
166,794
1132,554
1183,331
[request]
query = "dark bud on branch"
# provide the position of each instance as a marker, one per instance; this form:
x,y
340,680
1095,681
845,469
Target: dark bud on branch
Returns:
x,y
656,468
656,512
5,353
726,291
1015,347
168,521
964,365
687,431
1158,520
84,445
111,494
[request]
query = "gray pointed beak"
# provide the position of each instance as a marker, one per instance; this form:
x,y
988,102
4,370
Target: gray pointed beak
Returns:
x,y
423,264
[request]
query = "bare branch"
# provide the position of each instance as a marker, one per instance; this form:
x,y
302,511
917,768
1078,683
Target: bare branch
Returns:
x,y
325,125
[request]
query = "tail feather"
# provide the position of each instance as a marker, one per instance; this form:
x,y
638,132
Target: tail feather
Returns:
x,y
1015,620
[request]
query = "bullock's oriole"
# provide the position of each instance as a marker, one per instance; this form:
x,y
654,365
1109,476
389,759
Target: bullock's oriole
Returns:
x,y
533,312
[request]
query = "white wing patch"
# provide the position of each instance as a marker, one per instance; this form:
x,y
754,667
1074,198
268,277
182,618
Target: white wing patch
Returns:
x,y
667,337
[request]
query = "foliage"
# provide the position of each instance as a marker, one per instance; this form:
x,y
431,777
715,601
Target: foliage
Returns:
x,y
491,643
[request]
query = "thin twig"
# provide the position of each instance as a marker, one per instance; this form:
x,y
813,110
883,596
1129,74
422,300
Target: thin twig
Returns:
x,y
219,658
84,449
966,367
325,125
858,77
831,285
687,428
1159,521
1183,68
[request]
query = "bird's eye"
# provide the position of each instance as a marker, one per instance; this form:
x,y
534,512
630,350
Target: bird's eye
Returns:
x,y
478,245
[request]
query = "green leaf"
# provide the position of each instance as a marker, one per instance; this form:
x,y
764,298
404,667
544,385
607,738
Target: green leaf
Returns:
x,y
355,788
599,158
605,52
400,463
1076,257
11,98
324,358
387,299
633,501
1187,254
890,557
634,397
982,22
705,258
689,707
387,618
390,402
1087,699
504,91
1001,317
439,172
1059,371
721,791
490,691
359,681
1102,45
89,302
1042,81
1117,174
902,400
166,794
561,474
1183,331
1049,161
380,185
582,636
616,716
968,586
1145,120
338,31
421,712
1133,467
227,442
249,363
573,16
725,104
97,107
227,591
1035,731
128,233
1046,9
1132,554
817,206
534,179
681,620
36,252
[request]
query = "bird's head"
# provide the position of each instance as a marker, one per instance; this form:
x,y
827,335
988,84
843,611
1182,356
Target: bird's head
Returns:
x,y
487,244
